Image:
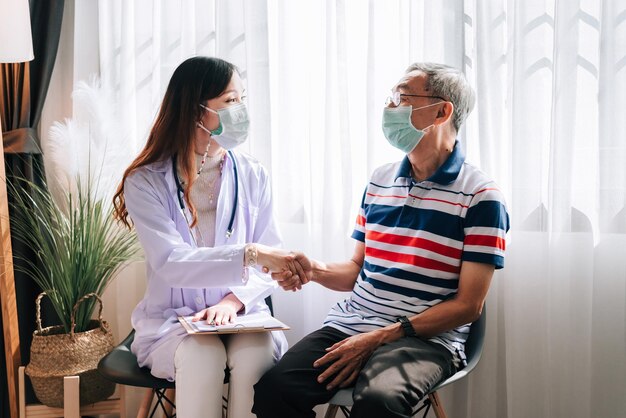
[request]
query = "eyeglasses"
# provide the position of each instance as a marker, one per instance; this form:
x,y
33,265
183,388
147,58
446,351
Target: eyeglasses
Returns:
x,y
396,97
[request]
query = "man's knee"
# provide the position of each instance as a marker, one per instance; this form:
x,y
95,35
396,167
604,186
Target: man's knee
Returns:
x,y
380,402
263,389
269,392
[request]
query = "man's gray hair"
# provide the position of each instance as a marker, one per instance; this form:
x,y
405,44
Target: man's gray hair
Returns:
x,y
451,84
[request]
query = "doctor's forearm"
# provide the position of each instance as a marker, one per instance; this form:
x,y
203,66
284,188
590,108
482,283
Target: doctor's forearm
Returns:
x,y
231,300
273,259
188,267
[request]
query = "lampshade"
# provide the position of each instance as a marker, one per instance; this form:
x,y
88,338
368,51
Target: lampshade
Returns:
x,y
16,42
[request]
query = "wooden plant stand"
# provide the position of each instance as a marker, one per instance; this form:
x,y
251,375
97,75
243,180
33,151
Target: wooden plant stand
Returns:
x,y
71,396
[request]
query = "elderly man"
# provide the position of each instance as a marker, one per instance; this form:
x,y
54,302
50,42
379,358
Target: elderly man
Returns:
x,y
430,232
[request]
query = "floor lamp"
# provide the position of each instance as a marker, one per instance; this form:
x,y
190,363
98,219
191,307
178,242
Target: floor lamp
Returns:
x,y
16,45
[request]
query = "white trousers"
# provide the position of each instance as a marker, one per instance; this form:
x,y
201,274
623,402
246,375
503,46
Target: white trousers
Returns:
x,y
200,361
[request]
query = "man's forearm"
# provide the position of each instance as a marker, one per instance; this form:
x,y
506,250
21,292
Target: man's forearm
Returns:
x,y
336,276
464,308
443,317
434,321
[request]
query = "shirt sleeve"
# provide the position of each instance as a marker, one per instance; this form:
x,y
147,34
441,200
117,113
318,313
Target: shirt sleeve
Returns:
x,y
359,227
486,225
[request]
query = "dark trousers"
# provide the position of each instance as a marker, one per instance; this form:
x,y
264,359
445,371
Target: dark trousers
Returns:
x,y
391,383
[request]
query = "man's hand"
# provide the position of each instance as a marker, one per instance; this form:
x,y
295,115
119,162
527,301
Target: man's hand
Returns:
x,y
304,267
347,358
288,280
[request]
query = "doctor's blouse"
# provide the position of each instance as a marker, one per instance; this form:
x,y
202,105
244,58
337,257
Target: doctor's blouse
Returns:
x,y
183,278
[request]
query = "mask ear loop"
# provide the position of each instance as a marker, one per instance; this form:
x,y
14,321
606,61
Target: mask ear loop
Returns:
x,y
218,131
423,107
208,108
200,125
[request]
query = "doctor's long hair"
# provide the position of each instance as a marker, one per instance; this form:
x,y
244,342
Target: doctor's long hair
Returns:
x,y
195,81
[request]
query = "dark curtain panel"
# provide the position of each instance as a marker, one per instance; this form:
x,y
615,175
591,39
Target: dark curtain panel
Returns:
x,y
23,89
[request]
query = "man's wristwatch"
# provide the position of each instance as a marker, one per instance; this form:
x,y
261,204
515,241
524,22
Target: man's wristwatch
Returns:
x,y
407,328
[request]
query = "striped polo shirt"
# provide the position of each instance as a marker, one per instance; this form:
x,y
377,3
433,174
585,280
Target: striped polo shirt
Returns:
x,y
416,236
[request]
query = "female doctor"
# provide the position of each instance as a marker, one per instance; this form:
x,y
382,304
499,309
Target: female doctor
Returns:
x,y
203,214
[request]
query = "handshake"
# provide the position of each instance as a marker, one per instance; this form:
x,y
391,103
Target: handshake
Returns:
x,y
290,269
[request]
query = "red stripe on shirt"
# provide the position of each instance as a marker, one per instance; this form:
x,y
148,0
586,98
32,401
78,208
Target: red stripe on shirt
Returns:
x,y
391,195
360,220
410,259
484,190
485,241
439,200
414,242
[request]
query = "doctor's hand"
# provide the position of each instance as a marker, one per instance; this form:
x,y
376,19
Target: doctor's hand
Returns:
x,y
222,313
295,266
304,272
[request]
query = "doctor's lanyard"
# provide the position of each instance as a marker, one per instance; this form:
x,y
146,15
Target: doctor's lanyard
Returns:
x,y
181,199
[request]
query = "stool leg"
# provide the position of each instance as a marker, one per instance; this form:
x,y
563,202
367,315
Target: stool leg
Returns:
x,y
171,395
437,406
146,402
331,412
122,392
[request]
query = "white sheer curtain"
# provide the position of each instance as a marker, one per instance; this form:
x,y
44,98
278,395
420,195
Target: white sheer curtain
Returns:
x,y
549,127
550,83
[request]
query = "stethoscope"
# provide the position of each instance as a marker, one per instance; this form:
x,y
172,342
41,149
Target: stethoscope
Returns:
x,y
180,192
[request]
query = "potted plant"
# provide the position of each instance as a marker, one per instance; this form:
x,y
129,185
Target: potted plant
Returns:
x,y
78,249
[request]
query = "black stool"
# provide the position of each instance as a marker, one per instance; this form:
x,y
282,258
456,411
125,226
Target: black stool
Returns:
x,y
120,366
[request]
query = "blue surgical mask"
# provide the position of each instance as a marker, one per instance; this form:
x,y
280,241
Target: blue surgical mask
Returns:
x,y
233,128
399,130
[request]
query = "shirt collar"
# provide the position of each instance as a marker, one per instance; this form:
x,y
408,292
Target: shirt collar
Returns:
x,y
446,174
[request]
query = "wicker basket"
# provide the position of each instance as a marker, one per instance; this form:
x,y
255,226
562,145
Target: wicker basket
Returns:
x,y
55,354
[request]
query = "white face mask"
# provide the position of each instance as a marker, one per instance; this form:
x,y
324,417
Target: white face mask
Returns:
x,y
234,125
399,129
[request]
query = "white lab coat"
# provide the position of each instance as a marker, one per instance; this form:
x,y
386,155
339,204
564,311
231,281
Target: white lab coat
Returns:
x,y
184,279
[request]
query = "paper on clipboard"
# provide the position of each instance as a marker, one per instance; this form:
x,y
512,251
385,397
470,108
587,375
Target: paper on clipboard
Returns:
x,y
255,322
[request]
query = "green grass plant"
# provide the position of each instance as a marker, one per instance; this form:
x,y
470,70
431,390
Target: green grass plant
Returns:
x,y
78,246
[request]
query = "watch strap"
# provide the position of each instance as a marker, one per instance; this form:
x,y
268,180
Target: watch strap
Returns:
x,y
407,328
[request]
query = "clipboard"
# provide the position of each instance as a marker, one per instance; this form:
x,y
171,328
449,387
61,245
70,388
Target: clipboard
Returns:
x,y
255,322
